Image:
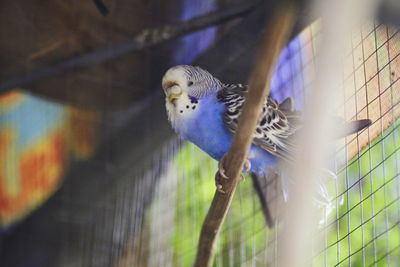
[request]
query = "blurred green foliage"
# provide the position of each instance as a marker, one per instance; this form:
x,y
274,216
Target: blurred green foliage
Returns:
x,y
363,230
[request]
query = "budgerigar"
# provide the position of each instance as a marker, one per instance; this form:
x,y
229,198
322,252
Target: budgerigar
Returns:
x,y
205,111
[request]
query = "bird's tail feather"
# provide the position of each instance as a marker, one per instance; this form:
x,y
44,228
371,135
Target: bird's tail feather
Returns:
x,y
351,127
263,199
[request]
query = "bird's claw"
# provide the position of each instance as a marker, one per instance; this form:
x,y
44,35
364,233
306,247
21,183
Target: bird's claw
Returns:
x,y
218,184
247,165
219,188
221,173
221,168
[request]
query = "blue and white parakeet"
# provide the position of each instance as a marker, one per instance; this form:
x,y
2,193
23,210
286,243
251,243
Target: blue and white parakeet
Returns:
x,y
205,111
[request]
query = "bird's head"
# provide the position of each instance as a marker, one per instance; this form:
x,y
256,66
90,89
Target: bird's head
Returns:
x,y
188,82
185,86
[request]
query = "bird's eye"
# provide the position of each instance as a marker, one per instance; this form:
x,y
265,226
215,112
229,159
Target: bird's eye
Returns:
x,y
190,83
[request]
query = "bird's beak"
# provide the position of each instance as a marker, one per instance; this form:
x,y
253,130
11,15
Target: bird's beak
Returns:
x,y
173,93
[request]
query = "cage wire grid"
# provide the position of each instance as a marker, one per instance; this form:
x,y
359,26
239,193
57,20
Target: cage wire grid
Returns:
x,y
363,228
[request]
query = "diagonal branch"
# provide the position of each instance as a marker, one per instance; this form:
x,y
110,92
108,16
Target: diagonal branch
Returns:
x,y
275,36
101,7
147,38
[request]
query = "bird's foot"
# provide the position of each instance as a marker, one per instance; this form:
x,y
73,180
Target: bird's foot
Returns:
x,y
218,183
246,169
220,175
247,165
221,168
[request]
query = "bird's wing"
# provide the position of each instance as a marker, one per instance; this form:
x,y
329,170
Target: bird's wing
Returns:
x,y
276,126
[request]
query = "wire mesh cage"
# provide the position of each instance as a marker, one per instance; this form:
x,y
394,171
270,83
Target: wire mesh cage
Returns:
x,y
140,199
362,229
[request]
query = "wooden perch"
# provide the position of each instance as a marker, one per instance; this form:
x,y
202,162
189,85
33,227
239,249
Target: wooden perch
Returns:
x,y
277,30
147,38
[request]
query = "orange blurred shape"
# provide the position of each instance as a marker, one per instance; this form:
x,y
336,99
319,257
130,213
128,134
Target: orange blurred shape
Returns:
x,y
40,168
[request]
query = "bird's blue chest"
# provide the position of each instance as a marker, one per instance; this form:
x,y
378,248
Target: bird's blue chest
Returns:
x,y
207,130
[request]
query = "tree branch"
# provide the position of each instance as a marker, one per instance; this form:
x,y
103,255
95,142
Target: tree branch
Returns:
x,y
147,38
275,36
101,7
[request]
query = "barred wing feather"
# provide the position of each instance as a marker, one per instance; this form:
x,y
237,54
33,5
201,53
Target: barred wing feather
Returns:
x,y
276,126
